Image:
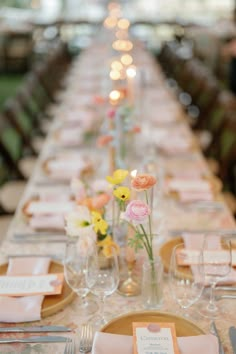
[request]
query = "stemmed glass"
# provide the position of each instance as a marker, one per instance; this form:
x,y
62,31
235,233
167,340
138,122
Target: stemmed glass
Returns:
x,y
216,262
75,271
102,278
186,284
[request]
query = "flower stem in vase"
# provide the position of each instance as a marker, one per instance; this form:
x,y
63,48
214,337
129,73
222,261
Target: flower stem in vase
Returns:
x,y
129,286
152,292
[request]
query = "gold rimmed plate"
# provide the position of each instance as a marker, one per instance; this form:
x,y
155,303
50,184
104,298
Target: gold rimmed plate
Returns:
x,y
52,303
123,324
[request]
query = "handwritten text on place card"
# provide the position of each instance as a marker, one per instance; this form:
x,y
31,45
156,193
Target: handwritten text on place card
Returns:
x,y
47,284
187,257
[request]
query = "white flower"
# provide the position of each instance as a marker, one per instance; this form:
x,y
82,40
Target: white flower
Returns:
x,y
100,185
79,223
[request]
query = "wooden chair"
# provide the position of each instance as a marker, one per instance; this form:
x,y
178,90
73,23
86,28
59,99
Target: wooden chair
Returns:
x,y
14,112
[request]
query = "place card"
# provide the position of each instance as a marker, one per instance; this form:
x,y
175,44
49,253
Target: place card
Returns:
x,y
186,257
20,285
154,338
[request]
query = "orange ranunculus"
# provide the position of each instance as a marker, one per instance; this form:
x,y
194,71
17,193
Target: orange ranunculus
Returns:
x,y
103,140
136,129
143,181
99,99
86,202
99,201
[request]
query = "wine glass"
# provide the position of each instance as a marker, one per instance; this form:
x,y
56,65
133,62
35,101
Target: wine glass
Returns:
x,y
186,284
102,277
75,271
216,262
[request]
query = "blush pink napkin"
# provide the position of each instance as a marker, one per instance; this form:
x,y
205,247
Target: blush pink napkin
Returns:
x,y
47,222
190,196
25,308
195,241
106,343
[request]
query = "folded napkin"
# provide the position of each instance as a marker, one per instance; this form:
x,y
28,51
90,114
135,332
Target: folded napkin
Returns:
x,y
192,196
106,343
50,207
25,308
189,185
47,222
195,241
70,136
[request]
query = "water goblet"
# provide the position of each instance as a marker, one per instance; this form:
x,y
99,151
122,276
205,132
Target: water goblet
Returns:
x,y
216,263
75,272
186,284
102,278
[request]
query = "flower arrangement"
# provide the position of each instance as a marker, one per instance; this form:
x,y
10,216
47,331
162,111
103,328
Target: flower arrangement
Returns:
x,y
136,211
87,222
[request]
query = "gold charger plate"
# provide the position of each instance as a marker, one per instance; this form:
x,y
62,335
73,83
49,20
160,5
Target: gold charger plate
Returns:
x,y
123,324
166,251
52,303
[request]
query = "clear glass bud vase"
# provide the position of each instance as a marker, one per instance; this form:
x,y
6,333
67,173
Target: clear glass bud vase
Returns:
x,y
152,284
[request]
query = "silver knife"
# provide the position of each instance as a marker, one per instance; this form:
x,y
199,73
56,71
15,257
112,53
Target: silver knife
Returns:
x,y
215,332
37,339
232,336
34,329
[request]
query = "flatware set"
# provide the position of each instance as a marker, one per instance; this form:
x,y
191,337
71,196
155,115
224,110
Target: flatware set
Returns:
x,y
34,329
35,339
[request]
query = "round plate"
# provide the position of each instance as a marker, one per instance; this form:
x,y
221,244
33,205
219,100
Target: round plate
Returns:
x,y
123,324
52,303
166,251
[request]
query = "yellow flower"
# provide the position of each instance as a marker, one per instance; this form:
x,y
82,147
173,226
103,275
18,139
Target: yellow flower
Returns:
x,y
107,245
100,225
122,193
118,176
107,250
106,241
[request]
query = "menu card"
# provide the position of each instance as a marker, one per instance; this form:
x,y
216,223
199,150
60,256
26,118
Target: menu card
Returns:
x,y
46,284
154,338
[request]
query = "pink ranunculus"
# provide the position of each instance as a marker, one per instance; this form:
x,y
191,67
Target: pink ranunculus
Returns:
x,y
137,212
111,113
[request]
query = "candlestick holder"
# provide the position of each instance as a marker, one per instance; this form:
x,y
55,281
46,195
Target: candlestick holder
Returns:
x,y
129,286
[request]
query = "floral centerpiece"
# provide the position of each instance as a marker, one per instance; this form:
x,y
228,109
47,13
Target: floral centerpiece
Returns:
x,y
87,222
137,212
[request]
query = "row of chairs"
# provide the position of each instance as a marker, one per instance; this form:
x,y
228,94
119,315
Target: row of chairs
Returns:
x,y
22,125
211,108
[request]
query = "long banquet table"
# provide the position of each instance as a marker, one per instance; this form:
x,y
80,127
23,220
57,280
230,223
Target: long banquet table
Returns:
x,y
159,115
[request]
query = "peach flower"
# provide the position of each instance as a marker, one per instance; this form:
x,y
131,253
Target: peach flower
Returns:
x,y
143,182
104,140
136,129
99,201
